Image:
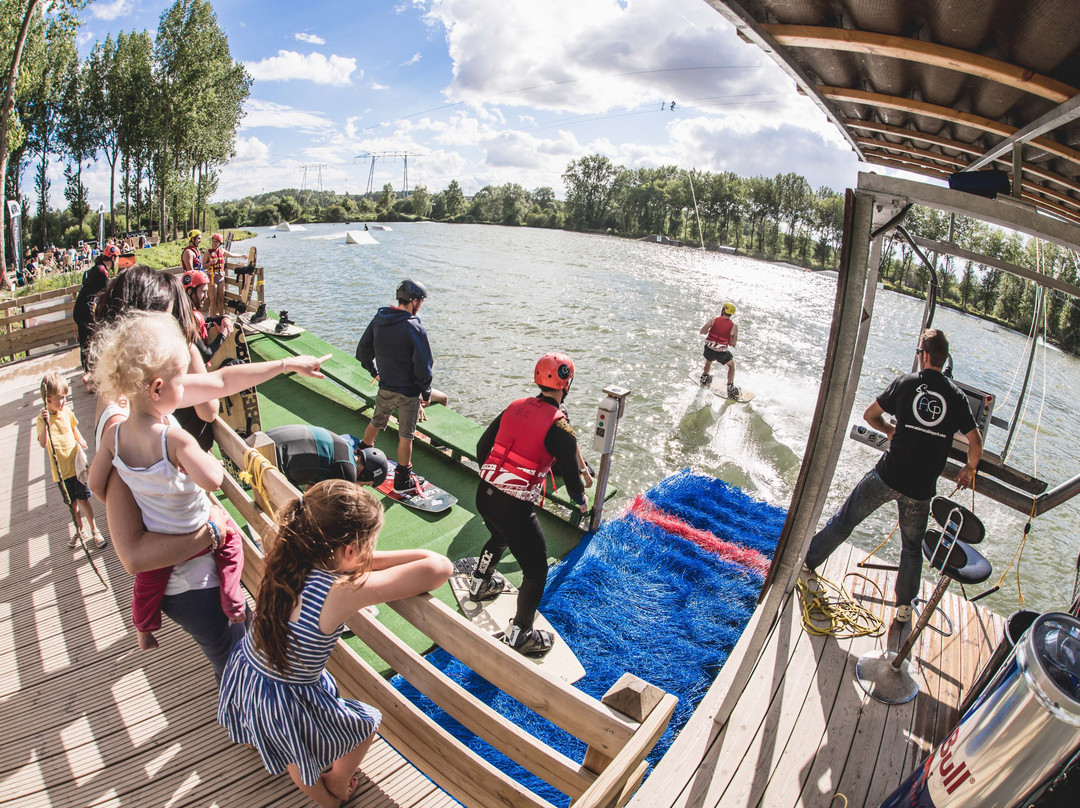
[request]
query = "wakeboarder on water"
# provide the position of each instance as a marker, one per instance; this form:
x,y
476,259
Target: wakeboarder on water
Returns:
x,y
529,439
721,336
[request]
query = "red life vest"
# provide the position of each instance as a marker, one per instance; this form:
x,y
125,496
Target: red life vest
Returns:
x,y
519,464
200,320
719,338
215,262
196,259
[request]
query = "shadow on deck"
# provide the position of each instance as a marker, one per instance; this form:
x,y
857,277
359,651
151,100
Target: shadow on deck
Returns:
x,y
88,719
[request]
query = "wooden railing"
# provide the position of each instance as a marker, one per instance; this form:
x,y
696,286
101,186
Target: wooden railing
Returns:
x,y
619,729
16,337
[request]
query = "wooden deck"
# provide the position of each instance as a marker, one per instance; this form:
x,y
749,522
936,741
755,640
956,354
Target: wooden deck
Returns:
x,y
804,730
86,718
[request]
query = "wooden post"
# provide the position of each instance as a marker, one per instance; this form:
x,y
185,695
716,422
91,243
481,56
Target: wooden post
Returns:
x,y
633,697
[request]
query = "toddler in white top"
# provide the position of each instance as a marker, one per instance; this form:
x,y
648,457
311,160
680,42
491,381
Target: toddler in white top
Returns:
x,y
144,358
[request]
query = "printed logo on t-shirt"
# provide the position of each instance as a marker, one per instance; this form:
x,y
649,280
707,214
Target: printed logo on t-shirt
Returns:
x,y
928,407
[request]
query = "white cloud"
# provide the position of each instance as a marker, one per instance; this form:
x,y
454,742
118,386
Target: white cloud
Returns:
x,y
268,113
111,9
415,58
311,39
613,55
251,149
289,65
376,86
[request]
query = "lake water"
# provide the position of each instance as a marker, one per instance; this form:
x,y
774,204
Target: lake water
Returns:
x,y
629,312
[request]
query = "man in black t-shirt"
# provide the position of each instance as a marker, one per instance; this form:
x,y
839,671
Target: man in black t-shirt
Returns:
x,y
929,409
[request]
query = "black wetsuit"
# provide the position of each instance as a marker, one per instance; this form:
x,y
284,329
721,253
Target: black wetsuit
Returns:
x,y
513,523
309,454
94,281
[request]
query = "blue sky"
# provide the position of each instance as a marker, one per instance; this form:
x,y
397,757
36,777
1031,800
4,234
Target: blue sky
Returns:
x,y
495,91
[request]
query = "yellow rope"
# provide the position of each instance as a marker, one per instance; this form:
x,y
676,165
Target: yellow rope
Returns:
x,y
1017,555
841,796
837,615
886,541
254,467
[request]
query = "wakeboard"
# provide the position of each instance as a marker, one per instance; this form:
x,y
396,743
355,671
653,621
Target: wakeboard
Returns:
x,y
245,277
719,388
240,410
430,498
273,328
494,616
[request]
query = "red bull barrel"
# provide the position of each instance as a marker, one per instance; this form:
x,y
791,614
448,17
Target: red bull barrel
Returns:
x,y
1017,736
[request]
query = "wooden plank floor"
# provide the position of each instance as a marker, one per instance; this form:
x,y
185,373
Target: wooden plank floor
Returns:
x,y
804,730
86,718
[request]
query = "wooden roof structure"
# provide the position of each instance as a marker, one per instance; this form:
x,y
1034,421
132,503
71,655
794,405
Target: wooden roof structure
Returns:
x,y
939,86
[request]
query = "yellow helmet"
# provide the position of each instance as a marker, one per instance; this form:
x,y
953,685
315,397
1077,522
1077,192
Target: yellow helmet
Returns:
x,y
192,234
729,309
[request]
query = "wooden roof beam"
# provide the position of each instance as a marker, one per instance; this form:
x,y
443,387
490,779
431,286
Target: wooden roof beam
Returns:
x,y
957,145
927,168
917,50
1002,211
1061,115
913,107
1032,187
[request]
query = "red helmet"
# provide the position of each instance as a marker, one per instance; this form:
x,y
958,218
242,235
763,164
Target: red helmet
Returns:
x,y
195,278
111,251
216,237
554,371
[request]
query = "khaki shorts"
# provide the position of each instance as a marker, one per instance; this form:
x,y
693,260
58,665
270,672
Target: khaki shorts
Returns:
x,y
408,412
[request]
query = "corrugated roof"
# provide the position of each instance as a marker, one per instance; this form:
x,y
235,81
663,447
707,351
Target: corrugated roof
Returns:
x,y
930,87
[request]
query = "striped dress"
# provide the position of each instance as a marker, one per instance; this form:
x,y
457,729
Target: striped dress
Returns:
x,y
300,718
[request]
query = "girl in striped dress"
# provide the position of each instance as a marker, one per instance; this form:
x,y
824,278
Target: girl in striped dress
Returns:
x,y
276,693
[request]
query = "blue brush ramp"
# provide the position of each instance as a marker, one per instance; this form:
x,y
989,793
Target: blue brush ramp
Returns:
x,y
663,592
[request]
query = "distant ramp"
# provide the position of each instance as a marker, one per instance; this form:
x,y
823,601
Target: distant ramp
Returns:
x,y
359,237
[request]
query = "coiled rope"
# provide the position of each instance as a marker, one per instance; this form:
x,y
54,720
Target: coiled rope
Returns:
x,y
829,610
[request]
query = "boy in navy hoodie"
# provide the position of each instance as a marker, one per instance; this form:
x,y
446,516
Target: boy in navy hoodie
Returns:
x,y
395,350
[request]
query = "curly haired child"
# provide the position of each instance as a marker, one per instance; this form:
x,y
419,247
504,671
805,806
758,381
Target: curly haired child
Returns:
x,y
143,358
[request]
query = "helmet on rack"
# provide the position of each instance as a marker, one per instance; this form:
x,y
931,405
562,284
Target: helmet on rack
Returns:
x,y
194,279
217,237
729,309
409,290
371,466
111,251
554,371
193,234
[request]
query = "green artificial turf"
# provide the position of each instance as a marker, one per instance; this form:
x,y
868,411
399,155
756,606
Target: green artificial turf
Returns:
x,y
338,405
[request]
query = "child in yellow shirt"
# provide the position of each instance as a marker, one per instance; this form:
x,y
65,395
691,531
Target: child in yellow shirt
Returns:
x,y
62,441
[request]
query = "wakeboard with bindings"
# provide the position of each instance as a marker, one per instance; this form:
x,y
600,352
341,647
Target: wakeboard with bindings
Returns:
x,y
240,410
428,498
281,327
719,388
494,616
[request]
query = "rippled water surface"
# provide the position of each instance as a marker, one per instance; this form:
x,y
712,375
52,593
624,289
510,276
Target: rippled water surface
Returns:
x,y
629,313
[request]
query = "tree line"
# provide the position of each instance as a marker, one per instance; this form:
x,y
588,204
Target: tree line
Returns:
x,y
777,217
162,111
